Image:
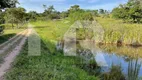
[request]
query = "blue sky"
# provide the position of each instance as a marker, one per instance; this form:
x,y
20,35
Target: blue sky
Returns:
x,y
62,5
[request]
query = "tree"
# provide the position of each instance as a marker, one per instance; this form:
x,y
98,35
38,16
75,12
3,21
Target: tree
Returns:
x,y
93,12
51,13
15,16
122,13
32,15
48,10
102,11
81,15
2,17
130,12
51,9
7,3
75,13
64,14
44,6
74,8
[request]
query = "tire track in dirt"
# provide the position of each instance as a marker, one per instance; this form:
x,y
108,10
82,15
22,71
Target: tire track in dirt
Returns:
x,y
11,49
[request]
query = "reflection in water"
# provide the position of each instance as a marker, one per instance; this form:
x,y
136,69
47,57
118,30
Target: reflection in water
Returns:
x,y
115,73
133,69
128,58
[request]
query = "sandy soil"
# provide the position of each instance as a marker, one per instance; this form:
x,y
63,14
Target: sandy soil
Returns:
x,y
12,48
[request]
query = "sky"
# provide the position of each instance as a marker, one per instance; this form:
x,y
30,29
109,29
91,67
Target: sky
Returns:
x,y
63,5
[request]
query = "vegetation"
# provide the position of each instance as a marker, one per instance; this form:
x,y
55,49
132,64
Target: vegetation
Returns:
x,y
75,13
8,33
114,74
8,3
1,29
129,12
51,64
115,30
15,16
122,25
5,4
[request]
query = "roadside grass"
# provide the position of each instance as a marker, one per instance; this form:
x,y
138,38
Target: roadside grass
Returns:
x,y
9,33
115,30
15,26
47,66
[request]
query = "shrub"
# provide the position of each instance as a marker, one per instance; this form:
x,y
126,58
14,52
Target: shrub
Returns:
x,y
1,29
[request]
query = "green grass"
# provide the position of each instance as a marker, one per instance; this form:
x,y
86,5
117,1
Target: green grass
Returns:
x,y
8,33
46,67
115,30
51,31
52,64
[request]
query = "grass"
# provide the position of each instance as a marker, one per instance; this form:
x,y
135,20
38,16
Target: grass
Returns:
x,y
51,64
133,52
115,30
51,31
46,67
8,33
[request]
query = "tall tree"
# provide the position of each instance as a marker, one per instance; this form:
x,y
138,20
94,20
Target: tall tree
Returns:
x,y
74,8
5,4
32,15
51,9
51,13
132,11
15,16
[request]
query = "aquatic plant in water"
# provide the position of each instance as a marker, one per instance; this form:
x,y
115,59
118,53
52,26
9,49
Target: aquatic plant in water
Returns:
x,y
133,70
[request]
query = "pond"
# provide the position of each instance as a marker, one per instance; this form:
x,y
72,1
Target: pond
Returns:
x,y
127,57
122,60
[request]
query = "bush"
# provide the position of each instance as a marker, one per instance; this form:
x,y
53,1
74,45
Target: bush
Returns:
x,y
81,15
114,74
1,29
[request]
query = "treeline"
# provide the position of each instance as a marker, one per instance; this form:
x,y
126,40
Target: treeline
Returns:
x,y
74,13
18,15
130,12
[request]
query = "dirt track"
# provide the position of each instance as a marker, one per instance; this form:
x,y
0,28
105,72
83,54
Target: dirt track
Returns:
x,y
10,49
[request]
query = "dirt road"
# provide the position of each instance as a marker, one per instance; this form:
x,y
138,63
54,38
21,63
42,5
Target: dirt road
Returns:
x,y
10,49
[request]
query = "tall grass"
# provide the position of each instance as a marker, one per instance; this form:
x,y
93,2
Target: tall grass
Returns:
x,y
115,30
